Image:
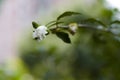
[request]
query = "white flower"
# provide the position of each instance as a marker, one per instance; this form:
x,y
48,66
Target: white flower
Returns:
x,y
40,33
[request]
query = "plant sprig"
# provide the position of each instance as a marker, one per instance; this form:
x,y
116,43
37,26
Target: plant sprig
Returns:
x,y
62,31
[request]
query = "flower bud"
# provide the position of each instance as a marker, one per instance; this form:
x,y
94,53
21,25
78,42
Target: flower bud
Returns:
x,y
73,28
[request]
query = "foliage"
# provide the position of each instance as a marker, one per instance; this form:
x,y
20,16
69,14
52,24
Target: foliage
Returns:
x,y
92,52
89,23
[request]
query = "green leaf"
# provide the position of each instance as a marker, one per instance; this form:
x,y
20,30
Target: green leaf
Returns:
x,y
64,36
35,25
94,20
68,13
116,21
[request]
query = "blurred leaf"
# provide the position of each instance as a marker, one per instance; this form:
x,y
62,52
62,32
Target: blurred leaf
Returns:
x,y
68,13
116,21
35,25
64,36
94,20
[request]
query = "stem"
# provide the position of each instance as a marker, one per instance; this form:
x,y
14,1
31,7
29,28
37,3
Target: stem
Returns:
x,y
87,27
50,23
104,30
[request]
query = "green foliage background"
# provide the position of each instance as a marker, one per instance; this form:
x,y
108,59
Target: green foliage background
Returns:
x,y
92,55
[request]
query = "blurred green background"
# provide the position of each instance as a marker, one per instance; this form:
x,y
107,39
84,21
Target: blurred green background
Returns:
x,y
92,55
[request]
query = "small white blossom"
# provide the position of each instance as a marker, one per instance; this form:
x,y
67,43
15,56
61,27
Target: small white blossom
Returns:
x,y
40,33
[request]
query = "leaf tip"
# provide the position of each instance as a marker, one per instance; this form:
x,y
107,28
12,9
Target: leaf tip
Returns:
x,y
35,25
